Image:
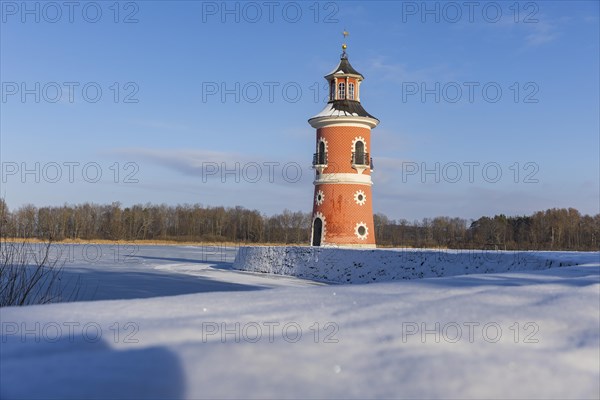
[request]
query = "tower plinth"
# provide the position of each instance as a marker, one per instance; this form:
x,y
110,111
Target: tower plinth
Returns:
x,y
342,202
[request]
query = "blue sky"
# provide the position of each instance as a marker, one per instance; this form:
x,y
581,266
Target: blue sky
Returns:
x,y
172,133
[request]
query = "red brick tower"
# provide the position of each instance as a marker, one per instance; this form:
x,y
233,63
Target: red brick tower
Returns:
x,y
342,204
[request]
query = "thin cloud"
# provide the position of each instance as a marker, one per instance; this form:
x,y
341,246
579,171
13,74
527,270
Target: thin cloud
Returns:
x,y
543,32
189,162
218,165
400,72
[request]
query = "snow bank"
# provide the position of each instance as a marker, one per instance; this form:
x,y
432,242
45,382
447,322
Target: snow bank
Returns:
x,y
484,336
343,265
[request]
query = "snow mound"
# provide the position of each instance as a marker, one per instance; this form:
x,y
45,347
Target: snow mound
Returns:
x,y
519,335
344,265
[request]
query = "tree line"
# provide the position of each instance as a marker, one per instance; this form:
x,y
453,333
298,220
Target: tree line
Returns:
x,y
553,229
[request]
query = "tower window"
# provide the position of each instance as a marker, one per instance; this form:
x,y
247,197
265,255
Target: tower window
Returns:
x,y
361,230
360,197
341,91
351,91
359,157
359,148
321,156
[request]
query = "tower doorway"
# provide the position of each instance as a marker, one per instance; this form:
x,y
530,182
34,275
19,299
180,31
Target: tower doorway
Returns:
x,y
317,232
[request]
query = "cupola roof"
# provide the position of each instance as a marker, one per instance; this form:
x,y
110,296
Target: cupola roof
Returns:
x,y
344,68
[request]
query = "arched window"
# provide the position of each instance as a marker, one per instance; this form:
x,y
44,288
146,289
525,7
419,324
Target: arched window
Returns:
x,y
322,156
351,91
341,91
359,147
359,157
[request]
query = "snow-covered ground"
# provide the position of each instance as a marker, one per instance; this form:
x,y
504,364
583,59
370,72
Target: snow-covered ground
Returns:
x,y
526,334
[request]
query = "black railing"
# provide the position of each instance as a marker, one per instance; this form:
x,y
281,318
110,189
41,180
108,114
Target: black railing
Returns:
x,y
360,159
320,158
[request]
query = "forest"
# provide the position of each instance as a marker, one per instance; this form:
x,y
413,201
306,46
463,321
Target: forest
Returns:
x,y
552,229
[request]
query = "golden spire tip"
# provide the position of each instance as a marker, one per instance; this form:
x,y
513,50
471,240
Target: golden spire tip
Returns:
x,y
344,46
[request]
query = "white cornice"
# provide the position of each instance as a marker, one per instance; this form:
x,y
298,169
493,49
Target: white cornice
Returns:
x,y
319,122
339,74
354,124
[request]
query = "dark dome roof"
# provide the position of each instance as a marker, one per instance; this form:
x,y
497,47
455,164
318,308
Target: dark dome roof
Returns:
x,y
345,67
351,107
344,108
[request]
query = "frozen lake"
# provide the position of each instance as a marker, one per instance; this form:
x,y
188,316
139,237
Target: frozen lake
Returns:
x,y
111,272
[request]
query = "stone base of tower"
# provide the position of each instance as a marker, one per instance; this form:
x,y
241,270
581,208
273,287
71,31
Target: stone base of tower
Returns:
x,y
346,265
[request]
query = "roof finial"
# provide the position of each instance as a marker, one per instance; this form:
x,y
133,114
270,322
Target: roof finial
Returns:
x,y
344,47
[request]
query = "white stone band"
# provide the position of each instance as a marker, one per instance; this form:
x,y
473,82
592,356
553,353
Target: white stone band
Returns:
x,y
344,178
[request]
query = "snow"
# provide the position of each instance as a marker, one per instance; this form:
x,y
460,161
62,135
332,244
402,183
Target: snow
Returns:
x,y
329,111
347,265
374,341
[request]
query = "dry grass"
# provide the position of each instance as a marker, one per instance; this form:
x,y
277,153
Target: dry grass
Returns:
x,y
148,242
28,278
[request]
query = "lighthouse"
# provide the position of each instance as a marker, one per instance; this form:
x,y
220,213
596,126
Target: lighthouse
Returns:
x,y
342,203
